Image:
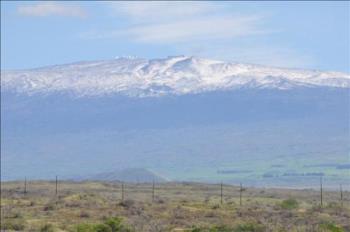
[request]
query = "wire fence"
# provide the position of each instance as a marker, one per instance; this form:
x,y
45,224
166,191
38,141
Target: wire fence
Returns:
x,y
170,191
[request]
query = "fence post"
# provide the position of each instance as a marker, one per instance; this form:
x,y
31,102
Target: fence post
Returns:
x,y
341,195
321,191
221,192
153,191
25,185
56,183
240,194
122,191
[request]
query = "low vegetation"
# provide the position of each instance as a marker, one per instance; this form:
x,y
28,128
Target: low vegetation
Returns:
x,y
109,225
187,207
289,204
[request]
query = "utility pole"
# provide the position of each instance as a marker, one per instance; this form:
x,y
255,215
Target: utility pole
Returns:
x,y
321,191
240,194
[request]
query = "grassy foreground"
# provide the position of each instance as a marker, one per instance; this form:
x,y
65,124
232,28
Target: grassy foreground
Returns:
x,y
98,207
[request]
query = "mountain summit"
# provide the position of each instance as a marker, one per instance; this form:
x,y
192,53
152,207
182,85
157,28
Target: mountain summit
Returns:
x,y
186,118
177,75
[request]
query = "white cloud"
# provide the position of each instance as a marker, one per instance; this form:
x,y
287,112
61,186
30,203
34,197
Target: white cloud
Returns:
x,y
201,28
51,9
173,22
207,28
161,11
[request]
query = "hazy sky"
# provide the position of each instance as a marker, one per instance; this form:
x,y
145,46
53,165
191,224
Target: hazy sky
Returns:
x,y
291,34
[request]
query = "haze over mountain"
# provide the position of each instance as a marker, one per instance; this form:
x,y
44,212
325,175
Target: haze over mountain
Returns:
x,y
130,175
186,118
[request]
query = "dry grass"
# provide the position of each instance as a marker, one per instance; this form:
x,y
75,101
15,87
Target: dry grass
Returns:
x,y
176,207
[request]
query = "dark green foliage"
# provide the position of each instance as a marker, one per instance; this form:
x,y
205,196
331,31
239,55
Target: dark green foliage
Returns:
x,y
289,204
221,229
84,228
246,227
17,225
212,229
331,227
47,228
249,227
109,225
102,228
196,229
115,224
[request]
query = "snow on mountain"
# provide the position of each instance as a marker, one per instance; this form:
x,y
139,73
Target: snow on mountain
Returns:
x,y
172,75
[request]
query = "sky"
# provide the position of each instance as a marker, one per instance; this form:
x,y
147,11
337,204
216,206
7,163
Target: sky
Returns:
x,y
311,35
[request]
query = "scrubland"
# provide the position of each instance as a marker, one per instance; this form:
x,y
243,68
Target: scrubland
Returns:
x,y
194,207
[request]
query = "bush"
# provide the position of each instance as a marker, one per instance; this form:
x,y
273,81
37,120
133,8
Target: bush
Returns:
x,y
249,227
127,203
330,226
115,224
289,204
17,225
334,205
196,229
16,215
84,214
221,229
84,228
109,225
212,229
47,228
102,228
49,207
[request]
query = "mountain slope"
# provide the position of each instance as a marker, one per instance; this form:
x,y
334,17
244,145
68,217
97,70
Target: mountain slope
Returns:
x,y
183,117
173,75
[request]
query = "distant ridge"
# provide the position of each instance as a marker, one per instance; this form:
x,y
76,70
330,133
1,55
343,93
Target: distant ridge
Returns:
x,y
130,175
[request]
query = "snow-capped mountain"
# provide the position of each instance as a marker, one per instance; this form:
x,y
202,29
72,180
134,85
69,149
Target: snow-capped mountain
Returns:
x,y
173,75
212,116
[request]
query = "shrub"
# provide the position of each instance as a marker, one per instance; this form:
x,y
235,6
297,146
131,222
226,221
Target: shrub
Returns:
x,y
84,228
289,204
17,225
196,229
249,227
127,203
115,224
49,207
84,214
331,227
334,205
47,228
17,215
221,229
109,225
246,227
102,228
